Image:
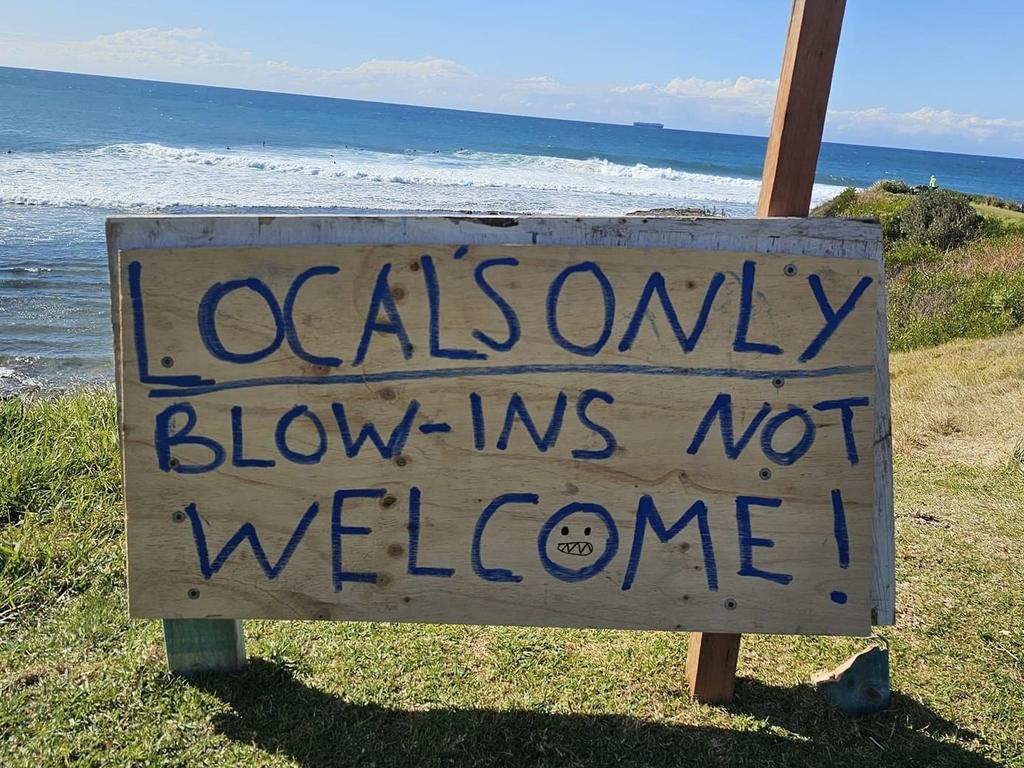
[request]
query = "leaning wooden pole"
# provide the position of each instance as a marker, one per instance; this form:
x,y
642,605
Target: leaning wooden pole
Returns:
x,y
804,85
786,185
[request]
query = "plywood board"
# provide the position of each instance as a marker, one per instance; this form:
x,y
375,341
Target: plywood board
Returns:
x,y
449,516
835,238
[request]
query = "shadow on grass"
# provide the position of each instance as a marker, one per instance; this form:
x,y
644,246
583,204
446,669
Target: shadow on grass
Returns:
x,y
773,726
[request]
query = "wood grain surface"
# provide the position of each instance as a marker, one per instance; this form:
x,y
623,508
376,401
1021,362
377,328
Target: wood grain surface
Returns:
x,y
400,532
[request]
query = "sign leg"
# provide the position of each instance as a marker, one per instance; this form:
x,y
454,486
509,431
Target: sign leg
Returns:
x,y
711,666
195,646
789,168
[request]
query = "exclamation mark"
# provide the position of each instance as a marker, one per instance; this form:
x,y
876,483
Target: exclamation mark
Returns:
x,y
842,539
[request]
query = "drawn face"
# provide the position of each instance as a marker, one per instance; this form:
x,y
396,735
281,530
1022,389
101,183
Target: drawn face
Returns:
x,y
578,541
571,542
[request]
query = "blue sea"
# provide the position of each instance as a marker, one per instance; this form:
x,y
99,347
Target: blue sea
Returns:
x,y
75,149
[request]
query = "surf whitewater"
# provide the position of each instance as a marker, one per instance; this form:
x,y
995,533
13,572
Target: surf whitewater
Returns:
x,y
154,176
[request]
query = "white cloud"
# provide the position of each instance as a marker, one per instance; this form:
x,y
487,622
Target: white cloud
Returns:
x,y
132,50
750,95
928,121
742,105
540,84
426,69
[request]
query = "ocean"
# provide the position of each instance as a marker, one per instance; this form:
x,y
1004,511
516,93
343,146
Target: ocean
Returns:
x,y
75,149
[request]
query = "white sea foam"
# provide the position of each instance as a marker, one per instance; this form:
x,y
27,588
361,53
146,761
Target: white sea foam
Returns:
x,y
26,270
12,380
151,176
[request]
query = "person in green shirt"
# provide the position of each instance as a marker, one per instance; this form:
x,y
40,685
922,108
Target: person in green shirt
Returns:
x,y
933,183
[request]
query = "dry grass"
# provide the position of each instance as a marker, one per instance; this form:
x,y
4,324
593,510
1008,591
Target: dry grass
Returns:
x,y
994,254
961,402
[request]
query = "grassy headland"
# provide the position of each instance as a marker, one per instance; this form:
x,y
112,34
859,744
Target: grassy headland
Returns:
x,y
954,262
82,684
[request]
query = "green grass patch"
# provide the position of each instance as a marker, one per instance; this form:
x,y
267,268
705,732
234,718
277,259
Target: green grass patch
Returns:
x,y
931,304
80,684
884,206
910,254
59,496
1005,214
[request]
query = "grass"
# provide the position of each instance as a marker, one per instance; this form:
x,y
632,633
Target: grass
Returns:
x,y
999,213
976,291
961,404
972,291
80,684
885,206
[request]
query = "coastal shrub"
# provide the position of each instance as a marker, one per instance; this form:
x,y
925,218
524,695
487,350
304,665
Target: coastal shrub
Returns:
x,y
872,203
994,227
974,291
939,217
951,272
884,206
893,186
931,304
837,205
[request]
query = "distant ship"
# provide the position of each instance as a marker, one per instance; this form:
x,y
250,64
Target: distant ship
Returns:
x,y
648,125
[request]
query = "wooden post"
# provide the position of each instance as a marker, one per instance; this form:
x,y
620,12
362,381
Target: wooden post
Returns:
x,y
800,106
711,666
196,646
789,167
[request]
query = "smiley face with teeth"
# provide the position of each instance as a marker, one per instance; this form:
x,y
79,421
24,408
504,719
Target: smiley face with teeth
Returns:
x,y
578,541
578,548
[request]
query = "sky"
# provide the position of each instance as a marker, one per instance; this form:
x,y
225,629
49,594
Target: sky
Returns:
x,y
924,74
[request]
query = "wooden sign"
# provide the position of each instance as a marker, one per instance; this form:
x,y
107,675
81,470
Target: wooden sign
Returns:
x,y
566,435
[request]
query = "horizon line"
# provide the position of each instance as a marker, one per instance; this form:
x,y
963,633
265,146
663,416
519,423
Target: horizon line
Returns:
x,y
481,112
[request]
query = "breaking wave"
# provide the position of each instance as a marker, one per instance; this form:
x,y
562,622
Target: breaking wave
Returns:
x,y
151,176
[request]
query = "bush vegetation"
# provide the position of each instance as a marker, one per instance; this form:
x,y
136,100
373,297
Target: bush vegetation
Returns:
x,y
886,207
929,305
838,205
996,202
952,272
896,186
939,217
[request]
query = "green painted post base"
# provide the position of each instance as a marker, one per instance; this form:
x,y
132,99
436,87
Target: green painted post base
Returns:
x,y
195,646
